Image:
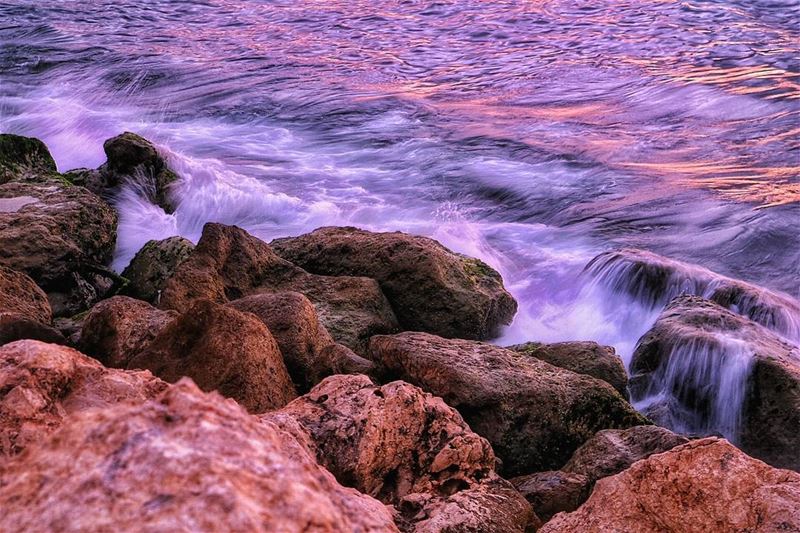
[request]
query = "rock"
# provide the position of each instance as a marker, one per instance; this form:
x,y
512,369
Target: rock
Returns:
x,y
120,328
430,288
589,358
186,461
553,492
228,264
655,280
409,449
15,326
23,158
611,451
534,414
221,349
153,265
61,236
705,485
708,370
339,359
20,294
43,384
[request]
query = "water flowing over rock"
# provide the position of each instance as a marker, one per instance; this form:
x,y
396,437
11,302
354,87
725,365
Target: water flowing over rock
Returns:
x,y
430,288
705,485
588,358
704,369
534,414
24,158
153,265
655,280
186,461
228,263
221,349
43,384
409,449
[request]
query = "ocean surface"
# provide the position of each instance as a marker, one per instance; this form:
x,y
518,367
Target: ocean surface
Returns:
x,y
532,134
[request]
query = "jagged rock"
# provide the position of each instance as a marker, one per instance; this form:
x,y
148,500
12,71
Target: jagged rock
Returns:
x,y
20,294
430,288
553,492
23,158
654,280
228,264
589,358
534,414
712,370
186,461
120,328
153,265
42,384
221,349
705,485
409,449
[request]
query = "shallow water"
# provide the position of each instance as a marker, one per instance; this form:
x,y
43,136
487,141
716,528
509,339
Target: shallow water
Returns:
x,y
532,134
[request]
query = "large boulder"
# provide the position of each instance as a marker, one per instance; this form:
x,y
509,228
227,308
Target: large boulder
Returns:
x,y
654,280
589,358
409,449
534,414
62,236
43,384
24,310
228,263
153,265
431,288
221,349
23,158
186,461
708,370
120,328
705,485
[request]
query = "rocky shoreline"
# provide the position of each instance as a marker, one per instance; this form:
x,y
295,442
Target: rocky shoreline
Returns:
x,y
340,381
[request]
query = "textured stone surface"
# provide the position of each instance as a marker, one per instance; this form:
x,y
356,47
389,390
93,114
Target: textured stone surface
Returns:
x,y
20,294
14,327
705,485
553,492
153,265
430,288
23,157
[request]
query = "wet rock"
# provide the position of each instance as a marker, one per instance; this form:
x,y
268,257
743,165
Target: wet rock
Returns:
x,y
705,485
221,349
655,280
228,264
409,449
153,265
186,461
24,158
61,236
120,328
43,384
430,288
534,414
20,294
589,358
15,326
553,492
706,369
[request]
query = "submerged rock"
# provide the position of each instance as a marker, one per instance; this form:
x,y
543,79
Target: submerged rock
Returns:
x,y
220,349
153,265
186,461
43,384
430,288
589,358
24,158
534,414
705,485
228,263
704,369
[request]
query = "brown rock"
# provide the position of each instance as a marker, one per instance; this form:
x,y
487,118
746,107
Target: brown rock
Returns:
x,y
153,265
14,327
430,288
120,328
553,492
534,414
184,462
42,384
221,349
589,358
228,264
20,294
705,485
22,158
